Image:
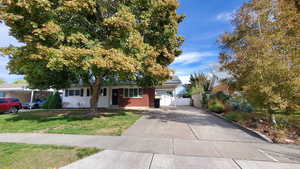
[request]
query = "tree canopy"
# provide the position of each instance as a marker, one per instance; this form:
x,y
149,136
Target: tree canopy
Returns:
x,y
263,53
20,82
90,41
2,81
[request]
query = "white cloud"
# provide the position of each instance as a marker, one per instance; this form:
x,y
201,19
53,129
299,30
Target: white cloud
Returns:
x,y
225,16
208,68
184,79
192,57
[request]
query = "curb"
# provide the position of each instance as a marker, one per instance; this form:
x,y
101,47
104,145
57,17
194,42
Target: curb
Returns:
x,y
246,129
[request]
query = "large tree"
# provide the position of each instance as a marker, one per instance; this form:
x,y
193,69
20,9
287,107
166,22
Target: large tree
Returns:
x,y
2,81
263,53
20,82
91,41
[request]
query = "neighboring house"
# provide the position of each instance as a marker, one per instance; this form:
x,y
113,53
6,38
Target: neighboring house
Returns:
x,y
167,92
119,95
221,88
21,92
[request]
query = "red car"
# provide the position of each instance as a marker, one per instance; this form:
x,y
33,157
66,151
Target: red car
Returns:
x,y
11,105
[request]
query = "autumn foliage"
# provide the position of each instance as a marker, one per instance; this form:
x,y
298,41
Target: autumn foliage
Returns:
x,y
67,41
263,54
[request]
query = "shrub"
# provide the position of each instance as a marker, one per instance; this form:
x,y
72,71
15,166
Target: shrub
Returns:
x,y
53,102
205,99
220,96
240,105
238,116
216,106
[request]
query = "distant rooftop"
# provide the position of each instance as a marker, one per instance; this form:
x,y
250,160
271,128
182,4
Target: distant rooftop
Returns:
x,y
13,86
174,80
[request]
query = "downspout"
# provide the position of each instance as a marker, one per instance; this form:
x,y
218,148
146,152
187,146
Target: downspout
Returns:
x,y
31,98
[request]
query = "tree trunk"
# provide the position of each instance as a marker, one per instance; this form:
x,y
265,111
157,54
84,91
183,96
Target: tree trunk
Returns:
x,y
95,93
274,119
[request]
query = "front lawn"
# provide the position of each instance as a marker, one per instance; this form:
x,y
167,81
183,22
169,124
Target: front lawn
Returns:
x,y
287,129
23,156
106,122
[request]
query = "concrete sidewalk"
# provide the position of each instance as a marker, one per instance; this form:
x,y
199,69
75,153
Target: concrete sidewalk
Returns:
x,y
129,160
174,138
201,148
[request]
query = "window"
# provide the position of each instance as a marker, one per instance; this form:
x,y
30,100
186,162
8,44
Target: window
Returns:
x,y
77,92
133,92
73,93
2,94
15,100
103,92
2,101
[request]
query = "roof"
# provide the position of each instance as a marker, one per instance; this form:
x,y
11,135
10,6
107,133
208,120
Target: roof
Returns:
x,y
13,86
221,88
174,81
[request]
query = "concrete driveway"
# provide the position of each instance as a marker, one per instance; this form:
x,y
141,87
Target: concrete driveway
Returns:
x,y
188,123
189,138
174,138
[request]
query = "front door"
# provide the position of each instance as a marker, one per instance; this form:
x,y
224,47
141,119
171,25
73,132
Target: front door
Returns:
x,y
115,97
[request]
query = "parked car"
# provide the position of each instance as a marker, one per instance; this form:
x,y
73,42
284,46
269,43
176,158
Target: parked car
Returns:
x,y
34,105
11,105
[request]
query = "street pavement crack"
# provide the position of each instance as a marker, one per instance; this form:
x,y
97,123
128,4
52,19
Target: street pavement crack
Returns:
x,y
237,163
151,161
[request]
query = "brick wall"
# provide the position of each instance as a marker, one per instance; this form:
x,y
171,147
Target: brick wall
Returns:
x,y
146,101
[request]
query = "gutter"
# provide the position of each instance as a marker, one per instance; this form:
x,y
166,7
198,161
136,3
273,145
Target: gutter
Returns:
x,y
246,129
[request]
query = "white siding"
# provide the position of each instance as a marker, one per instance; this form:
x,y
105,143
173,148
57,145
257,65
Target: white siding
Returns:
x,y
166,100
84,102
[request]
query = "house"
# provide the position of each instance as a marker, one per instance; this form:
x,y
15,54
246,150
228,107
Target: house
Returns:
x,y
22,92
120,95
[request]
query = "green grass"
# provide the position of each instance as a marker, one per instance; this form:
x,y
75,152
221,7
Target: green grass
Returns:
x,y
106,122
23,156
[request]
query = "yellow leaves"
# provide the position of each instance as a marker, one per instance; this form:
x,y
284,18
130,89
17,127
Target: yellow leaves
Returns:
x,y
123,19
159,71
125,37
77,38
115,60
173,4
49,30
78,5
33,4
263,53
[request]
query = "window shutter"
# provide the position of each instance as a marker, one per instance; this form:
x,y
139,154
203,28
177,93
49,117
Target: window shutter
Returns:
x,y
87,92
66,93
81,92
104,91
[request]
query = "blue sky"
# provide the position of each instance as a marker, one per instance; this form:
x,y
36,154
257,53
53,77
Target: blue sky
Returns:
x,y
205,22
